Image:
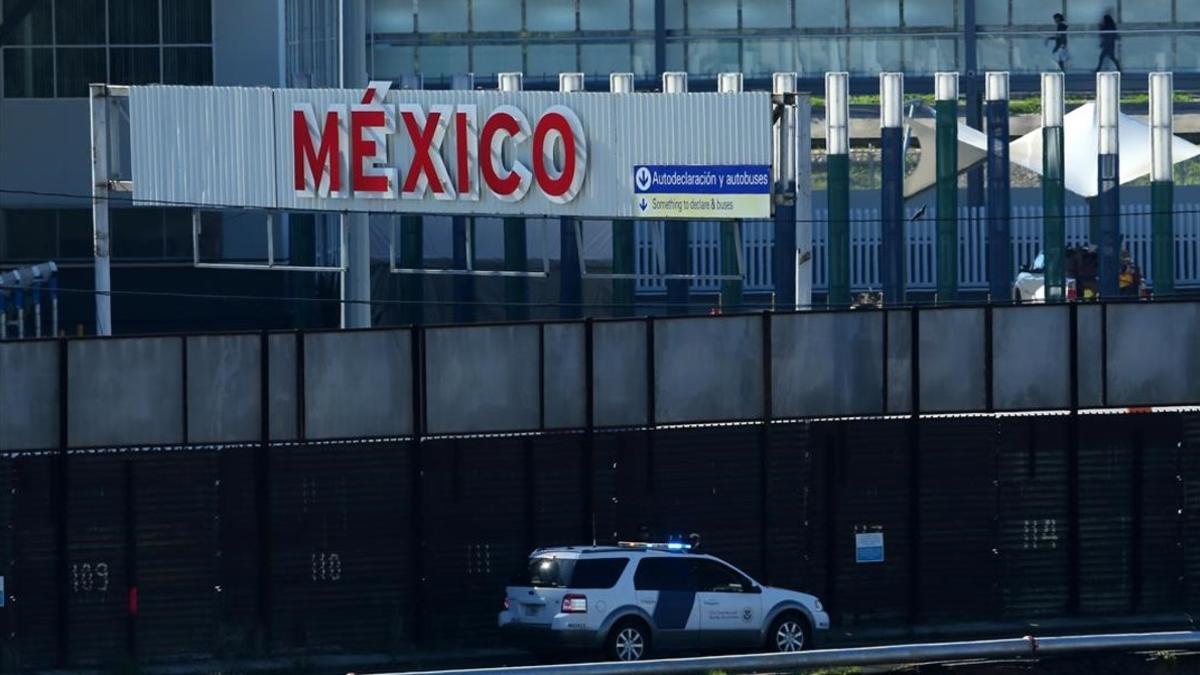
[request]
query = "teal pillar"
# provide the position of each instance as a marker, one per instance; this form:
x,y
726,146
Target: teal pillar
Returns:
x,y
837,146
1054,229
412,286
516,257
731,289
622,257
1162,183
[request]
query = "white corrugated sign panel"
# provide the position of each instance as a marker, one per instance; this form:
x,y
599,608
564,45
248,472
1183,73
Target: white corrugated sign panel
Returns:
x,y
202,145
622,131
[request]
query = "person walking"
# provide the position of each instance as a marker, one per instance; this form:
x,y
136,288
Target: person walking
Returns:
x,y
1108,42
1059,52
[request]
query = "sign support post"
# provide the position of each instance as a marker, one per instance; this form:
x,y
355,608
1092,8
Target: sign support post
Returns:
x,y
1108,197
570,289
676,231
622,235
731,289
999,194
1162,183
891,241
837,153
98,101
783,89
516,254
1054,231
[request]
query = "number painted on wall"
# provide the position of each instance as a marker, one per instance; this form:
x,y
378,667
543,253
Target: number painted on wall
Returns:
x,y
89,577
1041,534
326,566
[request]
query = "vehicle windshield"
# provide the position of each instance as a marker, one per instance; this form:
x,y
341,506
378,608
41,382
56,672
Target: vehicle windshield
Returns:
x,y
1039,263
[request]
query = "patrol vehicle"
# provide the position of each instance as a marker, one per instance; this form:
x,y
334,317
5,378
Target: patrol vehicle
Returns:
x,y
634,599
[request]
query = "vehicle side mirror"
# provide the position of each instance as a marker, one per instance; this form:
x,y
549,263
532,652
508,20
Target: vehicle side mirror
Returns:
x,y
755,588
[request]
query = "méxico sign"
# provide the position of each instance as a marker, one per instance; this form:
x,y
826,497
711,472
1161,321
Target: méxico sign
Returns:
x,y
454,152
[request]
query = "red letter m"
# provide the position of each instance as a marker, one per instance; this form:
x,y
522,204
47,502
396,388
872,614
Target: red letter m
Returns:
x,y
310,165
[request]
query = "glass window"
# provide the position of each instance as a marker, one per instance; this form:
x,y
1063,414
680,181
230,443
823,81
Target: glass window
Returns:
x,y
390,62
551,59
674,56
75,233
396,16
713,577
643,14
674,14
133,21
177,233
137,233
993,53
597,573
664,574
602,59
187,21
495,15
30,234
763,57
708,57
187,65
442,61
706,14
930,55
643,57
442,16
815,56
28,73
820,14
34,29
991,13
492,59
766,13
603,15
1037,12
934,13
1086,14
134,65
1187,52
78,67
874,14
554,15
1187,11
79,22
1148,11
545,572
1145,53
873,55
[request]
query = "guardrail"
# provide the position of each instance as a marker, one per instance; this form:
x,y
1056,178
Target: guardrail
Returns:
x,y
1027,647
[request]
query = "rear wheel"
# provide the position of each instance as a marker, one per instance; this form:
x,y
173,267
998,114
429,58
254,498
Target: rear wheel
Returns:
x,y
629,640
789,633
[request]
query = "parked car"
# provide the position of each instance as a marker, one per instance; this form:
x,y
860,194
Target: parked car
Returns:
x,y
635,599
1082,272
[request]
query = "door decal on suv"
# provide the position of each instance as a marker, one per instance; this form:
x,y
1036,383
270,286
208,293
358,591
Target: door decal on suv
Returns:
x,y
673,609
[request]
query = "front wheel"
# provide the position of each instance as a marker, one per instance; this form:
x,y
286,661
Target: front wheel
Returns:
x,y
789,633
628,641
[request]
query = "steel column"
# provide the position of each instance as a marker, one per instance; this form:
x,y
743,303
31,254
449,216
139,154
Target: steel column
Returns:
x,y
785,267
731,289
892,240
946,111
1054,230
412,256
570,291
837,149
1108,198
676,231
999,194
98,102
622,235
1162,182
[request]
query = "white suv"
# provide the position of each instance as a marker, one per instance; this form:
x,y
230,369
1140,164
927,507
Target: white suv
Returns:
x,y
634,598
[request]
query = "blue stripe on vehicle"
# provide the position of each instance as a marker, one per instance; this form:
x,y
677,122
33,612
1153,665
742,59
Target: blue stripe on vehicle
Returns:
x,y
673,609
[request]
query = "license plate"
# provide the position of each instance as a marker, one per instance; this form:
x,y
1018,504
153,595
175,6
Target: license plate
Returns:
x,y
531,610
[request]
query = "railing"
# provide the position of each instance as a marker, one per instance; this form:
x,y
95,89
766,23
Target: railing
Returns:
x,y
1012,648
758,237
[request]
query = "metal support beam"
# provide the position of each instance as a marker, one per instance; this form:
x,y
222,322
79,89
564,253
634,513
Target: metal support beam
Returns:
x,y
892,241
946,111
622,234
1162,183
731,289
1108,198
101,241
570,291
356,278
999,193
1054,230
676,231
785,261
837,152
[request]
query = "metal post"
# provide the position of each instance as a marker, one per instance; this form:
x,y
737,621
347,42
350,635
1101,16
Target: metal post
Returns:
x,y
1162,182
945,87
784,265
999,194
570,293
622,235
19,296
1054,230
676,231
891,245
516,255
971,93
1108,197
98,102
352,73
731,289
36,292
3,314
462,243
53,300
837,152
